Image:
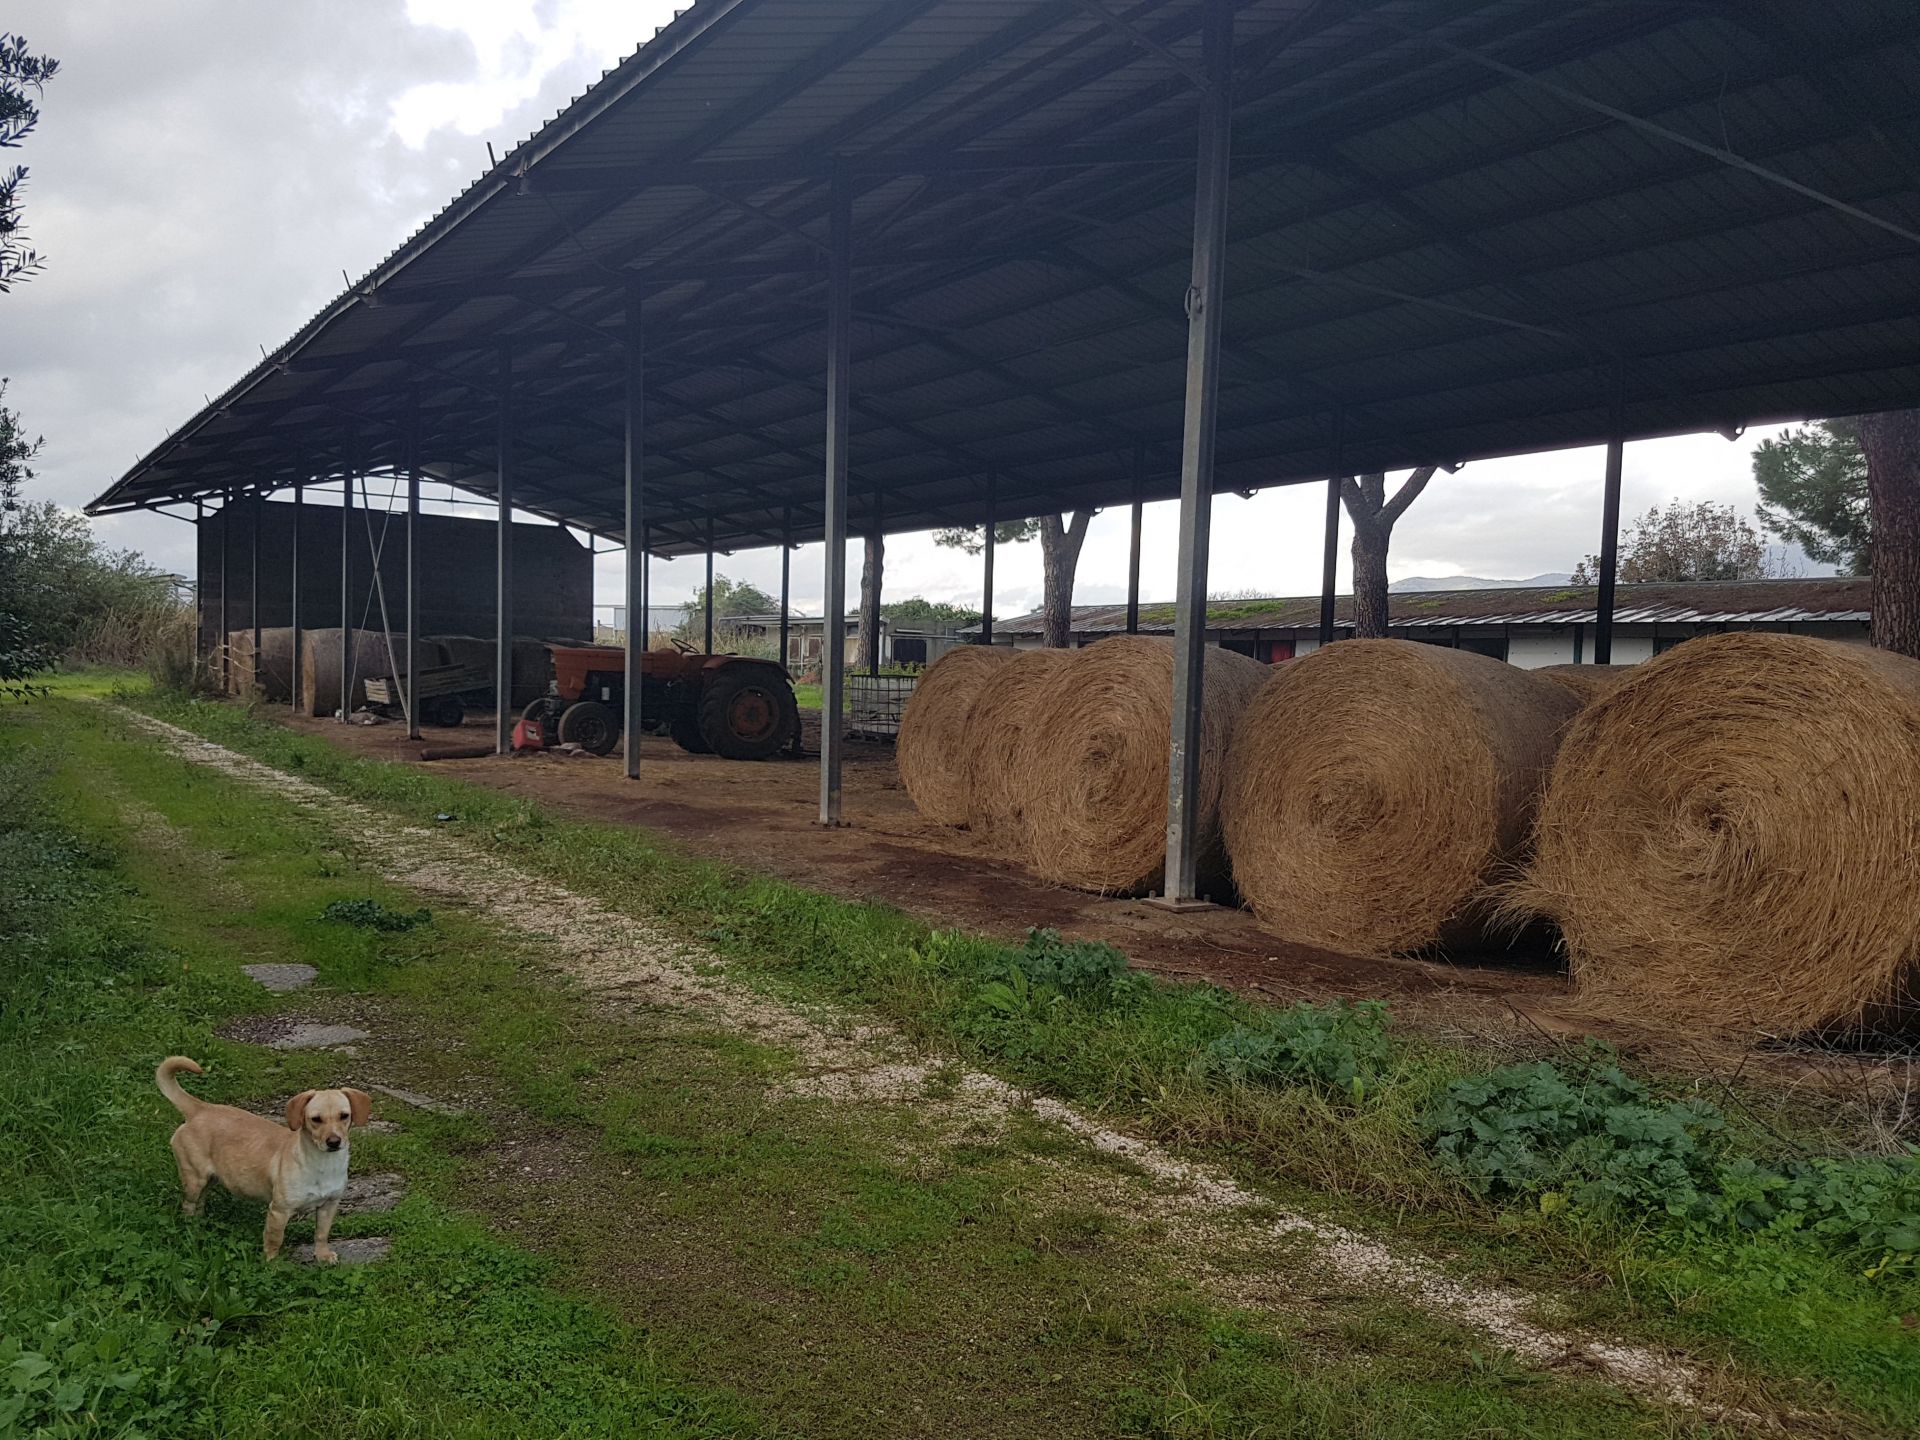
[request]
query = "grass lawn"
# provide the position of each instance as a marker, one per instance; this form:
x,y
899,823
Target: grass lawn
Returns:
x,y
628,1232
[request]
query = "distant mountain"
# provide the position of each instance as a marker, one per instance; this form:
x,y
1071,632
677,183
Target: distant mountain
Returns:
x,y
1415,583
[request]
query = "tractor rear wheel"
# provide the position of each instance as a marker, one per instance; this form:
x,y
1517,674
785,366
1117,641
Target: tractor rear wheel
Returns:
x,y
683,724
747,712
445,710
591,726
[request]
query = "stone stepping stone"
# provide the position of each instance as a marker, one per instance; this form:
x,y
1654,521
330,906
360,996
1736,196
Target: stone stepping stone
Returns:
x,y
282,979
416,1099
316,1037
373,1194
363,1251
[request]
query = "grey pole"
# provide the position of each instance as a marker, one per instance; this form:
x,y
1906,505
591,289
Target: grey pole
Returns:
x,y
646,583
833,652
253,600
709,584
1133,547
1204,304
636,532
226,585
346,613
879,533
1610,527
986,573
413,577
1330,562
293,618
503,566
786,567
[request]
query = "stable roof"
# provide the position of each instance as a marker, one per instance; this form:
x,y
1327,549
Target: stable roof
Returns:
x,y
1452,226
1837,599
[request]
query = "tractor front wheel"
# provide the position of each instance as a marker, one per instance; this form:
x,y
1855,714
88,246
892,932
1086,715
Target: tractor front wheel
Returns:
x,y
591,726
747,712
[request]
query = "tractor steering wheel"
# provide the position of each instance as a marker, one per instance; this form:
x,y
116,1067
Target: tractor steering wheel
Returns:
x,y
683,647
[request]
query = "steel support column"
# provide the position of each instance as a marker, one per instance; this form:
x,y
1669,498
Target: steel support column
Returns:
x,y
293,569
1609,531
226,585
253,598
1133,544
878,537
786,568
503,564
413,576
1330,560
986,572
346,593
709,632
833,650
636,527
646,586
1204,306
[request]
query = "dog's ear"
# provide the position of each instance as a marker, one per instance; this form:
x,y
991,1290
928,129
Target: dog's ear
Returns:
x,y
297,1109
361,1104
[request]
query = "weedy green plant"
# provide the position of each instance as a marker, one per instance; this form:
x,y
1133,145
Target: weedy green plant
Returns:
x,y
1339,1047
1590,1138
372,915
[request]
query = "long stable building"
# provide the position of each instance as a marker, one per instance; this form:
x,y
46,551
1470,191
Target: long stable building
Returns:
x,y
1525,626
798,271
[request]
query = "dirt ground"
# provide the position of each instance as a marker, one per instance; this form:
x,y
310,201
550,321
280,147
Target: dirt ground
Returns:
x,y
763,816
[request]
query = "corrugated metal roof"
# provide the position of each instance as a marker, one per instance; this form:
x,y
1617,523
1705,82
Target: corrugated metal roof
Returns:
x,y
1449,254
1820,600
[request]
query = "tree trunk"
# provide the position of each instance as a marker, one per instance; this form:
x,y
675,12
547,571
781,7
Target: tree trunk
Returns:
x,y
1892,445
1060,557
1374,517
866,654
1369,580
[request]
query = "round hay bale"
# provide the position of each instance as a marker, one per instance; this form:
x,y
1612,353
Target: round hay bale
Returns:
x,y
1377,788
1094,763
1731,838
320,665
931,749
1587,682
995,781
271,670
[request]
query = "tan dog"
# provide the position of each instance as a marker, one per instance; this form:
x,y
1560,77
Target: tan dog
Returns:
x,y
302,1167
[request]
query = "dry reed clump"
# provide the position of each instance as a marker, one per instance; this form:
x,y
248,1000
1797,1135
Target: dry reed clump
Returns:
x,y
935,732
1378,788
1732,838
996,790
1587,682
1093,763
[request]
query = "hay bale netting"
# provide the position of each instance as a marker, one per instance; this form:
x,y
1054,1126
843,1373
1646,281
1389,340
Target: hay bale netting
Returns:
x,y
1378,788
1732,838
995,780
271,669
1587,682
936,731
1093,763
320,665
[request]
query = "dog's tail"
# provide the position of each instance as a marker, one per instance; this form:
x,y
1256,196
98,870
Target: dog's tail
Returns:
x,y
163,1075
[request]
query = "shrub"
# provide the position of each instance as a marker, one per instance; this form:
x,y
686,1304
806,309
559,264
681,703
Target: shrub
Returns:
x,y
372,915
1336,1046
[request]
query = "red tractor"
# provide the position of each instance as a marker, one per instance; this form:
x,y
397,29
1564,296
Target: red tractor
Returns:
x,y
727,705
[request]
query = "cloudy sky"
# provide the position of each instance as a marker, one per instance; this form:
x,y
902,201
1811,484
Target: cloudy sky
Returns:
x,y
206,169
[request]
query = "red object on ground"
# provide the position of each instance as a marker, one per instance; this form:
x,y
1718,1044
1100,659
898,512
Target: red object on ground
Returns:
x,y
529,733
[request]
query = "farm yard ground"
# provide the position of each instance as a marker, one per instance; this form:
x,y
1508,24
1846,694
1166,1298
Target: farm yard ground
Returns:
x,y
765,817
699,1153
